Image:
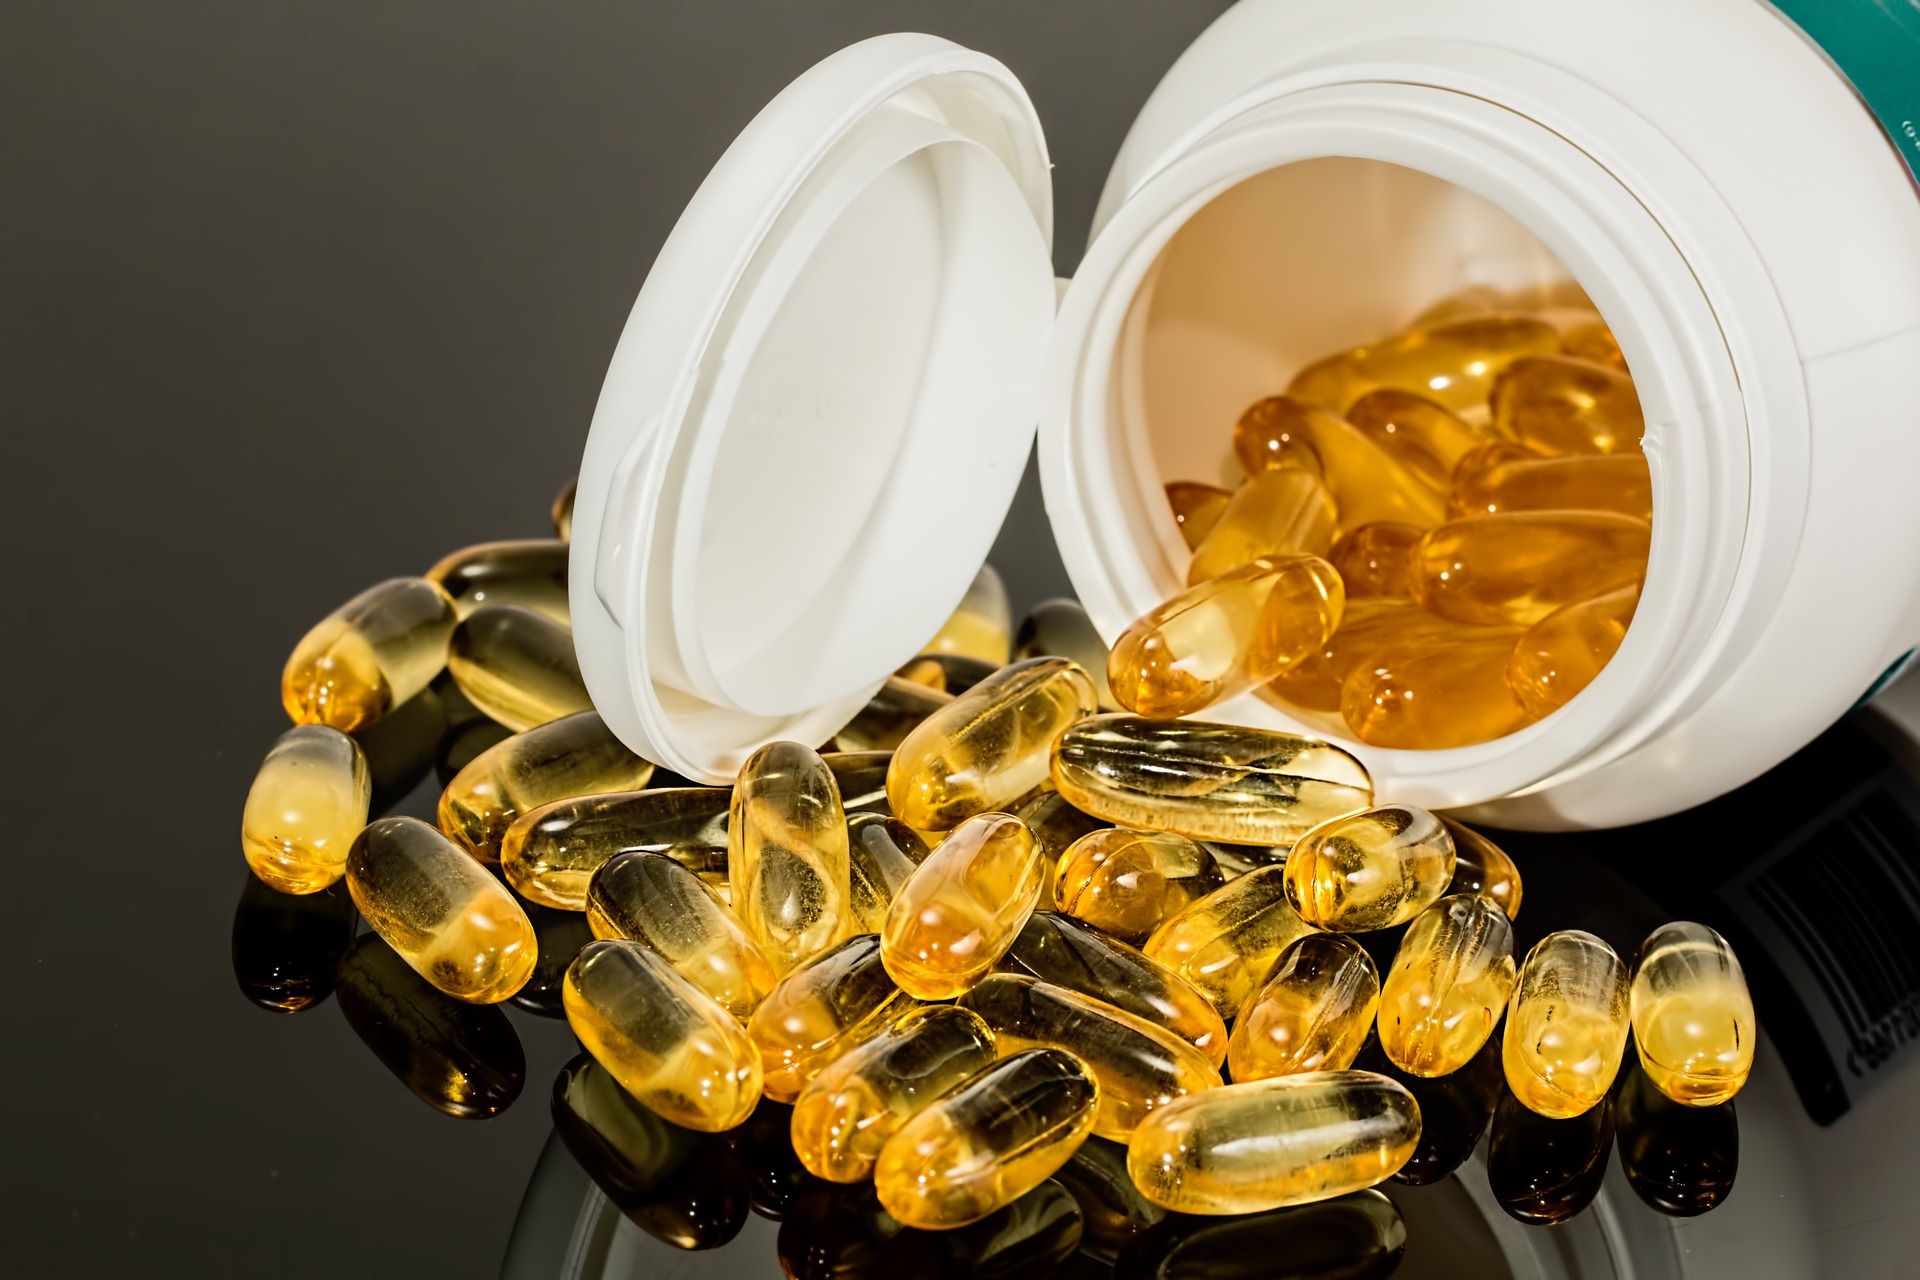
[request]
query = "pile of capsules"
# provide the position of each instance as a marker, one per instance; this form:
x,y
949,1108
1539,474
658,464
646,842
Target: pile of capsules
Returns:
x,y
989,921
1440,538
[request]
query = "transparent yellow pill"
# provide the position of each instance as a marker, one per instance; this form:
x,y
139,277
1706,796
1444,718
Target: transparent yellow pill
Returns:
x,y
882,854
1618,482
982,624
1369,870
862,779
1434,690
1060,628
1366,625
1270,1143
1487,456
307,803
1228,942
787,858
1453,363
989,747
1206,781
1275,513
1483,867
1372,560
846,1114
962,907
822,1009
448,918
1312,1014
1426,439
651,899
1567,1024
1593,341
1055,825
550,853
1562,653
1196,508
1449,984
1560,405
1126,882
661,1037
1518,568
370,655
890,715
1368,484
531,574
1692,1015
563,510
517,666
575,755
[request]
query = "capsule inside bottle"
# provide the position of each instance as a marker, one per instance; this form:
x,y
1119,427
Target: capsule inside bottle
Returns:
x,y
1567,1024
1515,569
1196,508
1448,986
1227,943
1562,653
1369,870
962,908
307,803
1446,689
1275,513
1619,483
787,856
1693,1018
1312,1014
1368,484
1560,405
1372,561
517,666
1427,439
651,899
1453,362
820,1010
369,655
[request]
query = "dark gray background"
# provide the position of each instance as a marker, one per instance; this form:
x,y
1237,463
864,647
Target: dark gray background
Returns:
x,y
294,298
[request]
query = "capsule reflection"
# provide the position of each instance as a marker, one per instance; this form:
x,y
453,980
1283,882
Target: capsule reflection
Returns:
x,y
286,947
1112,1208
1454,1110
1356,1237
1679,1158
1545,1171
560,935
841,1233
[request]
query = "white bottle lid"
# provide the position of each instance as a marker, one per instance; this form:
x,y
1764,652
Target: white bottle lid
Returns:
x,y
819,410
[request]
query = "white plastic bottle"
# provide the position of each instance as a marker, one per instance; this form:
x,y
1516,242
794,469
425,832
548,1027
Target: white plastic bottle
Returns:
x,y
830,378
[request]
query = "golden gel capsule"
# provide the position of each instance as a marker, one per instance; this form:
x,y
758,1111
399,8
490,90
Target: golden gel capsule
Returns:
x,y
1480,299
822,1009
1692,1016
1275,513
651,899
1483,867
1270,1143
1372,560
882,854
982,625
1618,482
989,747
1228,942
661,1037
1448,986
1453,363
517,666
1368,484
1139,1064
563,510
306,805
845,1116
1206,781
1562,653
1313,1014
369,655
1566,1024
1425,438
1196,507
962,907
787,857
1593,341
1055,825
1058,949
447,917
531,574
1490,455
1369,870
1518,568
890,715
576,755
1446,690
1314,682
1225,636
1126,882
1559,405
550,853
987,1143
862,779
1060,628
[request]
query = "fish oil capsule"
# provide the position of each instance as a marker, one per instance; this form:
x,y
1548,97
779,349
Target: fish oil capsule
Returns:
x,y
988,1142
1446,688
947,672
1562,653
1271,1143
787,860
1618,482
1425,438
370,655
882,854
1369,870
287,949
1566,1024
447,917
575,755
563,511
531,574
1126,882
1680,1160
1692,1015
305,806
962,908
845,1116
1312,1014
1197,507
550,853
890,715
1223,637
989,747
1518,568
651,899
1372,560
661,1037
1593,341
1559,405
1055,825
1314,683
1358,1236
862,779
1228,942
822,1009
1368,484
1454,363
1139,1064
1448,986
1060,628
1063,951
517,666
1206,781
1544,1171
1480,866
981,625
1275,513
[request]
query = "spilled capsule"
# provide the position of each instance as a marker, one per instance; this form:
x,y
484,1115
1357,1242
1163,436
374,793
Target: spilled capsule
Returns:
x,y
1449,984
1693,1018
550,853
1483,867
651,899
820,1010
1312,1014
1125,882
890,715
517,666
882,855
1369,870
531,574
1227,943
370,655
787,860
1567,1025
307,803
1055,825
573,756
962,908
1061,628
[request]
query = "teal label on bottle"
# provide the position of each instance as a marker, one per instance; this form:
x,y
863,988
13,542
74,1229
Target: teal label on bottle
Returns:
x,y
1876,44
